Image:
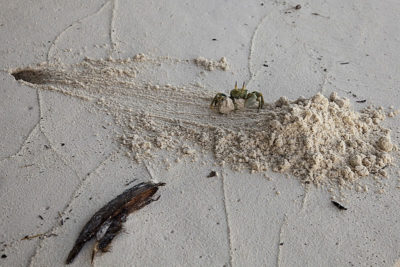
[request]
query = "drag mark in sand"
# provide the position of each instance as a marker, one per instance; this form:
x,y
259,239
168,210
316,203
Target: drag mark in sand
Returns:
x,y
309,138
113,39
280,242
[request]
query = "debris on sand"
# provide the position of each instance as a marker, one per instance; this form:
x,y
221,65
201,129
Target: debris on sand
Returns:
x,y
107,222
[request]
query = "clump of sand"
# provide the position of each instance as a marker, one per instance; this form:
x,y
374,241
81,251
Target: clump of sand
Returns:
x,y
210,65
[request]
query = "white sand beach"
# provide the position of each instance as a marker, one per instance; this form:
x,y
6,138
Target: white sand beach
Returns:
x,y
97,97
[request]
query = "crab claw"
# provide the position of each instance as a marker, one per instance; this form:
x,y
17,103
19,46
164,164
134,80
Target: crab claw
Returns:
x,y
217,99
255,98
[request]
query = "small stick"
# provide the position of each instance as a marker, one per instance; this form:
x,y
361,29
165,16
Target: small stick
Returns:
x,y
29,237
338,205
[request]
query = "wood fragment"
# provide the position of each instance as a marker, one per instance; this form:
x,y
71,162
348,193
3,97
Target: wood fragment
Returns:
x,y
106,223
317,14
212,174
361,101
29,237
338,205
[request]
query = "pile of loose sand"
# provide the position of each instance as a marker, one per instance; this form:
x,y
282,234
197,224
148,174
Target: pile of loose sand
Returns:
x,y
318,139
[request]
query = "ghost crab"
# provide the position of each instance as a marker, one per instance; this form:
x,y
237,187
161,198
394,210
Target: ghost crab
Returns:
x,y
235,95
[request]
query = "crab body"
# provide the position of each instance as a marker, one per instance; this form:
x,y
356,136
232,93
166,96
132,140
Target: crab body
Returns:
x,y
250,99
239,93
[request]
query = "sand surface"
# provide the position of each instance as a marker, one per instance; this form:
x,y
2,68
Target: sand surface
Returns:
x,y
63,152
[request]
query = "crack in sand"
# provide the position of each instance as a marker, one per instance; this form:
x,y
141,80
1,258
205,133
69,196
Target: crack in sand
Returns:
x,y
50,143
228,228
54,42
252,46
51,229
37,125
23,145
83,181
